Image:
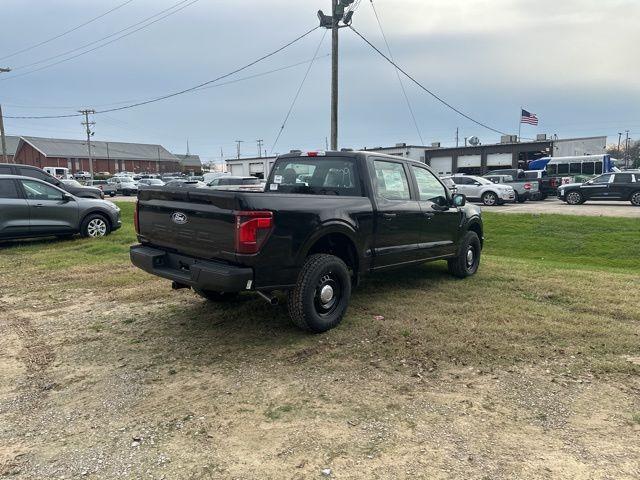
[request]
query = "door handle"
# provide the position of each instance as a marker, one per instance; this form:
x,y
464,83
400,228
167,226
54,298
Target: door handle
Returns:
x,y
389,216
429,215
39,205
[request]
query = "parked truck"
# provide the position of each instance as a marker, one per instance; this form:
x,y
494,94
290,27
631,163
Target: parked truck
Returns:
x,y
323,221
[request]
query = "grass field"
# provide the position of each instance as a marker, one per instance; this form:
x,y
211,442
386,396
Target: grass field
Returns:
x,y
527,370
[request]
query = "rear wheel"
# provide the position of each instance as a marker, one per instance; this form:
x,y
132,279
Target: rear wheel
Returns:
x,y
635,198
574,198
216,296
520,198
321,297
467,261
490,199
95,226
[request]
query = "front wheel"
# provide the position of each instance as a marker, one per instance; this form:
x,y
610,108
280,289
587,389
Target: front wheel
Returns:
x,y
95,226
490,199
635,198
467,261
321,297
574,198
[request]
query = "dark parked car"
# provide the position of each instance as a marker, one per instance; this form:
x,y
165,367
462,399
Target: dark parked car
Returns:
x,y
323,222
105,186
73,187
124,185
623,186
34,208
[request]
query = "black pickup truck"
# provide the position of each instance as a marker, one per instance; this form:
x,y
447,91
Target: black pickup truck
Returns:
x,y
324,220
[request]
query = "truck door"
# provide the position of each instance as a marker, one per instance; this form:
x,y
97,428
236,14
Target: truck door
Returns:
x,y
14,211
439,222
398,217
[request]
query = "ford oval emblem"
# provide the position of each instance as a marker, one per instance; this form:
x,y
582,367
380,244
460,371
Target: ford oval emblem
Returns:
x,y
179,218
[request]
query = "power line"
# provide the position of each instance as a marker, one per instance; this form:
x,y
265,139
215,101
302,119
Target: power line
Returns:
x,y
180,4
295,98
404,91
437,97
66,32
181,92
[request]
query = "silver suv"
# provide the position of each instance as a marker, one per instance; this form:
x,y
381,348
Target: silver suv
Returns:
x,y
34,208
480,189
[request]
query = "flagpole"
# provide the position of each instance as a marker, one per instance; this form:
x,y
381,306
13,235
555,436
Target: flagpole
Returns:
x,y
519,139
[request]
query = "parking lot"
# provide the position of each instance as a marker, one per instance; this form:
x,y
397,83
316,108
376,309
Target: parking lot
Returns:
x,y
529,369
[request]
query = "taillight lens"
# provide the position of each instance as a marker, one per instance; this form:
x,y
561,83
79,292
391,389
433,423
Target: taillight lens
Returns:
x,y
527,186
252,229
136,220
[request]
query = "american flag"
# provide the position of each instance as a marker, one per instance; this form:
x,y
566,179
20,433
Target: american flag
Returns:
x,y
528,117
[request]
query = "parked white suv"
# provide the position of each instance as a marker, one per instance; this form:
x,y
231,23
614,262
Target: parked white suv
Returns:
x,y
480,189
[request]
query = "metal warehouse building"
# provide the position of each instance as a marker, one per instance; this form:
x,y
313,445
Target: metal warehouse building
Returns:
x,y
109,157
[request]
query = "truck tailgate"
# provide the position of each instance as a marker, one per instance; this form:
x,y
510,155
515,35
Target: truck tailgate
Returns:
x,y
196,222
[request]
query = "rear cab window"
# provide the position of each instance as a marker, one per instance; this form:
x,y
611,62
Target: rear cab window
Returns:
x,y
322,175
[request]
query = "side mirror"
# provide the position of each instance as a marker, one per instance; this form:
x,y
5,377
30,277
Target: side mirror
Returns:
x,y
477,183
459,200
66,197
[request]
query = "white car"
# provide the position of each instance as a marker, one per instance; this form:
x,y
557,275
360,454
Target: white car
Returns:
x,y
480,189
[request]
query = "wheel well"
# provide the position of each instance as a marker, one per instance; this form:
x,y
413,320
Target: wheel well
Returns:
x,y
477,229
98,212
339,245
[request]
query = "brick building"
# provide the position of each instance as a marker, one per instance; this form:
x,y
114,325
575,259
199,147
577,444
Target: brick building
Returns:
x,y
109,157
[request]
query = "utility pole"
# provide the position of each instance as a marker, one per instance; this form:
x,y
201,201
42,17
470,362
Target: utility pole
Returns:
x,y
457,136
333,22
88,125
239,142
626,150
260,142
4,140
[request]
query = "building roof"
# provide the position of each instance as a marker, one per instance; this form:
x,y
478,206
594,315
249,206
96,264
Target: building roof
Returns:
x,y
64,148
189,160
251,159
12,144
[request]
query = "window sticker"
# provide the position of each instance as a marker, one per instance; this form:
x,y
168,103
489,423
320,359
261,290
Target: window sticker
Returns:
x,y
277,178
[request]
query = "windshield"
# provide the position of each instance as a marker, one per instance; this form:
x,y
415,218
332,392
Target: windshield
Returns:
x,y
483,181
72,183
315,176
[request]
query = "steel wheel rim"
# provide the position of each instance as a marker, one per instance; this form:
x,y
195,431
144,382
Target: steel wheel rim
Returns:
x,y
327,294
97,228
471,256
635,199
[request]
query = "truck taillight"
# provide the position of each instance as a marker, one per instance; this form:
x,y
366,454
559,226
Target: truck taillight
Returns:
x,y
252,229
527,186
136,220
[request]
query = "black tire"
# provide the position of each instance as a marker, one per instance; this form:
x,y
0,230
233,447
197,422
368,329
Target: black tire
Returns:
x,y
520,199
465,264
218,297
321,297
112,194
490,199
635,198
574,197
95,225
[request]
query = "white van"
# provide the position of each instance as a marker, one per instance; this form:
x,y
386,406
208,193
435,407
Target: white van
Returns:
x,y
58,172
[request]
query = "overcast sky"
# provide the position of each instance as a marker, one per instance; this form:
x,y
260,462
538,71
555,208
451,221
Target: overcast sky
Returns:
x,y
572,62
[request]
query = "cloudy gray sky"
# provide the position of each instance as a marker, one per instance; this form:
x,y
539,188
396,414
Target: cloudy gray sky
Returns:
x,y
573,62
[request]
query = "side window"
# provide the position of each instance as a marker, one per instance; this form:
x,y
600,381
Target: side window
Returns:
x,y
429,187
602,178
588,168
391,181
5,170
623,178
40,191
8,189
33,173
215,182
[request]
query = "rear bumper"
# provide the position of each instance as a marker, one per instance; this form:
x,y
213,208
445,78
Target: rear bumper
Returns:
x,y
203,274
